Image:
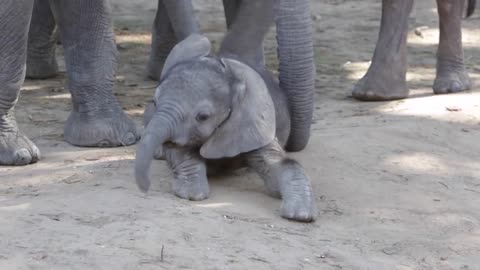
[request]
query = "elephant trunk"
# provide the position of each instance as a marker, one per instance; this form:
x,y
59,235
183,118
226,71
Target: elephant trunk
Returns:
x,y
296,66
157,133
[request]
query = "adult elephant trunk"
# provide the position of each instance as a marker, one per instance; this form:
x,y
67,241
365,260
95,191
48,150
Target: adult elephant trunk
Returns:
x,y
157,133
296,66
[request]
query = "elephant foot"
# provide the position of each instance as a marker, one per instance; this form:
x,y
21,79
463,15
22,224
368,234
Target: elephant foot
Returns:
x,y
190,173
451,79
297,194
378,85
100,129
41,68
16,149
191,189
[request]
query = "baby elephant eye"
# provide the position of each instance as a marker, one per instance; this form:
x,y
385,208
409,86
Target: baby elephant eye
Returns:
x,y
201,117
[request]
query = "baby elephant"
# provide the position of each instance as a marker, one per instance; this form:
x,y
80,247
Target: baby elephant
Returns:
x,y
214,112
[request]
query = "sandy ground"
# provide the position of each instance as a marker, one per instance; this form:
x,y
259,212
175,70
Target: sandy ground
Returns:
x,y
397,183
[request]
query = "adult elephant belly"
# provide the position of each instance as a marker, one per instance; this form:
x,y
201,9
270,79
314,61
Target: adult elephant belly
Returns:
x,y
90,54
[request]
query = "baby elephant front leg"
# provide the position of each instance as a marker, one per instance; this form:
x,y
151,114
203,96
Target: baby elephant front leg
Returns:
x,y
285,178
190,175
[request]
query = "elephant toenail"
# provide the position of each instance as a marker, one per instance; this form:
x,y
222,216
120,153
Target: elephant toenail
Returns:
x,y
22,157
304,215
129,138
358,93
35,154
104,143
442,88
456,87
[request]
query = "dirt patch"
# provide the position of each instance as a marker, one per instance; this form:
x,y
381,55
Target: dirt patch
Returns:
x,y
397,183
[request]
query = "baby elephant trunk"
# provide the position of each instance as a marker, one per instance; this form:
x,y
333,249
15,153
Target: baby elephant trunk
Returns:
x,y
156,134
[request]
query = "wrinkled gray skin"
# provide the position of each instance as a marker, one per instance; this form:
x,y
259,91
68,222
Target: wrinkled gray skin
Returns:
x,y
214,113
386,76
248,21
170,26
90,53
174,21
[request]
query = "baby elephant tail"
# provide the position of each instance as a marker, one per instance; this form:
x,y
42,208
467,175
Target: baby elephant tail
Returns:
x,y
471,7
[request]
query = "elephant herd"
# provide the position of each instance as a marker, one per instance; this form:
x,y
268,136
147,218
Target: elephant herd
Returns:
x,y
210,107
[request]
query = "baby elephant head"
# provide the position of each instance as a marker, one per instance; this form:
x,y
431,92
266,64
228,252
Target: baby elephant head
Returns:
x,y
220,106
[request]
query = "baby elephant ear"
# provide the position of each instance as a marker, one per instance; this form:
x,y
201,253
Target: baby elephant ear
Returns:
x,y
251,124
191,48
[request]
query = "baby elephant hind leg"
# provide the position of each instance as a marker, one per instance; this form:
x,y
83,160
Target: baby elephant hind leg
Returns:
x,y
190,174
451,73
287,179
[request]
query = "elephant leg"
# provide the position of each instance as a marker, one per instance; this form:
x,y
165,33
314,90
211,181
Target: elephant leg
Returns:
x,y
163,41
190,174
451,73
231,8
174,22
248,22
15,147
42,38
386,76
90,55
284,178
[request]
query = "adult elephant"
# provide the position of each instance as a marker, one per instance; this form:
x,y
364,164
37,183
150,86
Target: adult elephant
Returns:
x,y
168,29
248,22
90,53
386,76
174,21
